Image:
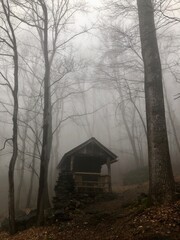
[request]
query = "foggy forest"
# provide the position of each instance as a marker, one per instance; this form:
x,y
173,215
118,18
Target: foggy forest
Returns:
x,y
89,119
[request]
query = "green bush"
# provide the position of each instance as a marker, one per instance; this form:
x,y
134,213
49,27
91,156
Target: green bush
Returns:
x,y
137,176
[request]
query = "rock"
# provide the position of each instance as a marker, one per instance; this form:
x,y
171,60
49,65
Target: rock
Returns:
x,y
61,215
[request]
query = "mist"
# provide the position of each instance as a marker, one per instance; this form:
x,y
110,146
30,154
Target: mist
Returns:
x,y
97,90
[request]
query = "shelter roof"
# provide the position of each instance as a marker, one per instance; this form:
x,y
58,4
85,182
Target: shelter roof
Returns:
x,y
79,150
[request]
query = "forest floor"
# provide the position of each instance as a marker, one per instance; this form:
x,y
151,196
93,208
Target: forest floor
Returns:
x,y
125,217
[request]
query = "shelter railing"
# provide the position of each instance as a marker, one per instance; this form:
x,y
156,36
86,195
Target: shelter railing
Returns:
x,y
91,181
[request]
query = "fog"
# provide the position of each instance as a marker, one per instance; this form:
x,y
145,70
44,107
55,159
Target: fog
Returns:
x,y
101,95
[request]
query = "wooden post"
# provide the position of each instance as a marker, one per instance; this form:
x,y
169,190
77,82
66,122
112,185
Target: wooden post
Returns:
x,y
109,174
72,164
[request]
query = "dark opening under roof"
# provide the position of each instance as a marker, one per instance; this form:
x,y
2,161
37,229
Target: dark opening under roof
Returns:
x,y
107,152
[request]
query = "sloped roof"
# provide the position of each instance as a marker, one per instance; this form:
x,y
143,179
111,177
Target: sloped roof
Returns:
x,y
111,155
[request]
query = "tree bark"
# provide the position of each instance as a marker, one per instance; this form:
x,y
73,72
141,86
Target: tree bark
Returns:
x,y
22,160
161,182
12,44
43,197
12,224
172,120
29,196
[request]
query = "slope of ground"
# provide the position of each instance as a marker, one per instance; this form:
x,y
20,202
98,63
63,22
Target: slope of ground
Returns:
x,y
111,220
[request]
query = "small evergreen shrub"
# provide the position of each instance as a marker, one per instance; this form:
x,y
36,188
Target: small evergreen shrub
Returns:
x,y
137,176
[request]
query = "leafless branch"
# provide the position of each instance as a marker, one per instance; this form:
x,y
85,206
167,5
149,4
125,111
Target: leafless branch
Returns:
x,y
5,143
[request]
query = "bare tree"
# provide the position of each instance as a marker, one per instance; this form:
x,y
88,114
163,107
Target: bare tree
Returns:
x,y
112,69
10,41
49,18
161,186
21,159
32,166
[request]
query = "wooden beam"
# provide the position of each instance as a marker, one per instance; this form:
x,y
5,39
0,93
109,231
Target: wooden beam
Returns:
x,y
109,174
87,173
72,163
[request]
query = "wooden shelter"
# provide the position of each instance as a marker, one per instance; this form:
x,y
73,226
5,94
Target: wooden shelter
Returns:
x,y
84,164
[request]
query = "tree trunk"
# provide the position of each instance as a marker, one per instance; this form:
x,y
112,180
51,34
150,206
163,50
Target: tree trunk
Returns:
x,y
29,196
55,152
161,183
172,120
22,159
14,90
12,225
43,197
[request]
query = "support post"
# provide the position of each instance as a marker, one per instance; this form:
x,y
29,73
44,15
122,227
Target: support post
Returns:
x,y
72,164
109,174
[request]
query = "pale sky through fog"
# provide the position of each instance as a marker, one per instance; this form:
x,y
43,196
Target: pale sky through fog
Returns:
x,y
87,43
